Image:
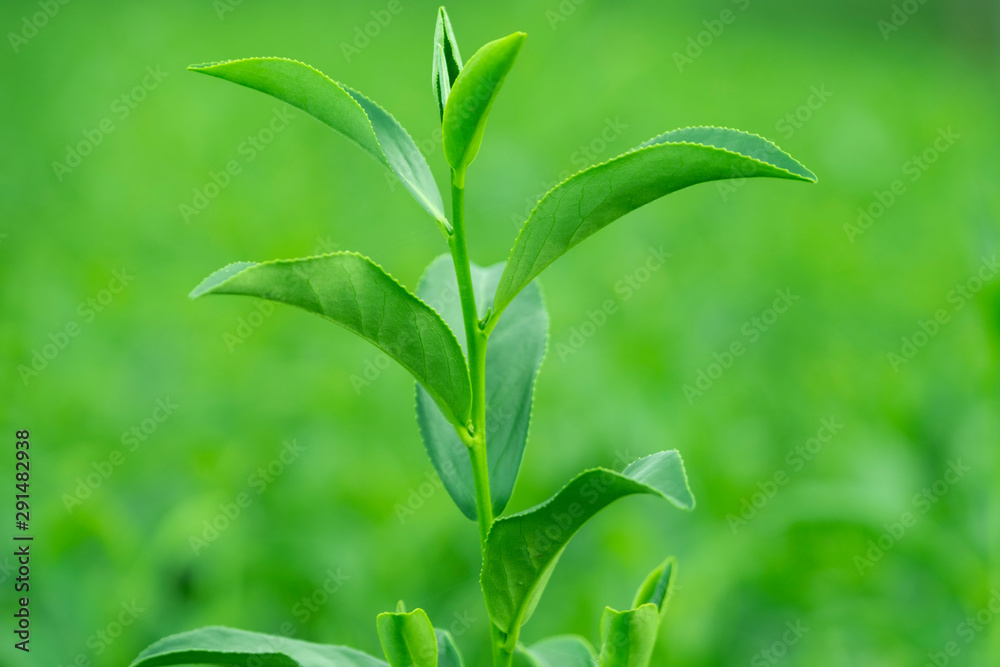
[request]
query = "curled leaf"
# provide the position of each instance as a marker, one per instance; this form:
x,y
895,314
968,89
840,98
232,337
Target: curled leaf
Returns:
x,y
522,549
592,199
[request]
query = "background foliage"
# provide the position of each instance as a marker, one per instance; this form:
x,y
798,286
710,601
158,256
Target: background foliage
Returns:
x,y
360,500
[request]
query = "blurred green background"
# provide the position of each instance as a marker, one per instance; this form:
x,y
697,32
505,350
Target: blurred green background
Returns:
x,y
854,100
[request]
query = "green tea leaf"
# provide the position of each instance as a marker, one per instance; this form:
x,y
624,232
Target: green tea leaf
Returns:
x,y
513,357
238,648
658,587
439,78
357,294
522,549
564,651
472,96
408,639
448,653
628,637
588,201
345,110
447,61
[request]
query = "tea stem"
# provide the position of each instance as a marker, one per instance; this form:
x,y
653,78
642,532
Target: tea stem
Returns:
x,y
475,337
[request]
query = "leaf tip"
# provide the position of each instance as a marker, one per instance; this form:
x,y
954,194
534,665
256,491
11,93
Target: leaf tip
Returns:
x,y
216,279
517,39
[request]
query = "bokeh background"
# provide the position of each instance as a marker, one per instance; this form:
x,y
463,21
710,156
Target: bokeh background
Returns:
x,y
357,511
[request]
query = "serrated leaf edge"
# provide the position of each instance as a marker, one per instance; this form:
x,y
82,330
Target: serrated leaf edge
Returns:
x,y
643,147
161,640
541,506
338,254
203,67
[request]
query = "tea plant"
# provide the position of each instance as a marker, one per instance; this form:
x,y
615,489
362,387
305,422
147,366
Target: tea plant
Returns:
x,y
475,361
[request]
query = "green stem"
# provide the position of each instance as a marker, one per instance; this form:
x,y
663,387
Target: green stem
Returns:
x,y
475,435
501,658
475,339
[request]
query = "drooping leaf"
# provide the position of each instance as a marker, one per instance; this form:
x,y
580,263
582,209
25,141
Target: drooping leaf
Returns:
x,y
408,639
628,637
448,653
564,651
238,648
472,96
658,587
522,549
357,294
345,110
447,61
513,357
588,201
